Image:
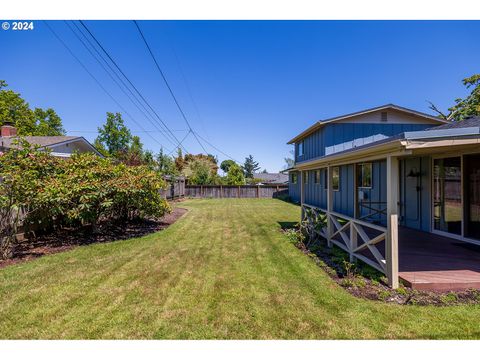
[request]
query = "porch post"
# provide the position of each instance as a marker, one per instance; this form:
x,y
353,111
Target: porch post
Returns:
x,y
391,239
329,205
353,230
302,193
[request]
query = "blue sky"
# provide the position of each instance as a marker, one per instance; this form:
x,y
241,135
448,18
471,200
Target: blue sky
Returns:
x,y
256,84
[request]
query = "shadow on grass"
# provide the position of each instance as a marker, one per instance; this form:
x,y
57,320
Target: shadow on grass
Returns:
x,y
288,224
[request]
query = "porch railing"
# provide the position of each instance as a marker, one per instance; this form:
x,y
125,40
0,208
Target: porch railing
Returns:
x,y
358,238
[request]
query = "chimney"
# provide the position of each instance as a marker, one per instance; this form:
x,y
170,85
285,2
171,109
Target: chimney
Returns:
x,y
8,129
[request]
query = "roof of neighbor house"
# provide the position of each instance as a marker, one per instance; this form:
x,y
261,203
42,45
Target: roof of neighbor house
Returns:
x,y
272,178
323,122
8,142
468,128
42,141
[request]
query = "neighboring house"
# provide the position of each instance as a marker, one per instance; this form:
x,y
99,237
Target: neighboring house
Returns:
x,y
60,146
371,170
271,178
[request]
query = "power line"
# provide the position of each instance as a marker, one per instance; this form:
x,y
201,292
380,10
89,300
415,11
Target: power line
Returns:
x,y
168,85
184,138
96,80
133,86
132,131
220,151
113,79
150,117
187,86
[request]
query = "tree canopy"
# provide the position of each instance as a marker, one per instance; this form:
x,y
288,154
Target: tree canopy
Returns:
x,y
114,136
225,165
38,122
235,175
463,108
250,167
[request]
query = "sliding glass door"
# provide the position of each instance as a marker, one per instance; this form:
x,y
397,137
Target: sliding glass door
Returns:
x,y
472,196
447,195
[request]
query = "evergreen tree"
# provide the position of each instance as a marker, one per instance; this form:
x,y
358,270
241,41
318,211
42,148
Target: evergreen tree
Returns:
x,y
250,167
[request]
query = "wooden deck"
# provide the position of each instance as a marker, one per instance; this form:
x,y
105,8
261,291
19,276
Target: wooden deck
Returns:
x,y
433,262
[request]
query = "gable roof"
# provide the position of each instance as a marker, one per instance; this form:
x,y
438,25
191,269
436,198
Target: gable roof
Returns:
x,y
45,141
274,178
321,123
460,132
42,141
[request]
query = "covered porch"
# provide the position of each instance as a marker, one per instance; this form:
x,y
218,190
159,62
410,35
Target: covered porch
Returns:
x,y
423,227
421,260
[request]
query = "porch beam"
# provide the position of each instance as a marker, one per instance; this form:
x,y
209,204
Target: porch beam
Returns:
x,y
391,240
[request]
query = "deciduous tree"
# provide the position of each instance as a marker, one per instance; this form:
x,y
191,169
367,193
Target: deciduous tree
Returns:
x,y
463,108
114,135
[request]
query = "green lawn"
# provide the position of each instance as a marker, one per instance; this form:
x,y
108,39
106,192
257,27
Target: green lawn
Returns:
x,y
223,271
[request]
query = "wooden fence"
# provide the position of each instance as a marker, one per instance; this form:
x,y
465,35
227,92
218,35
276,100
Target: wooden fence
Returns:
x,y
234,191
175,188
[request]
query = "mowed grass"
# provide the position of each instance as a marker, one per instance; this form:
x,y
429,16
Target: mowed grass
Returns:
x,y
223,271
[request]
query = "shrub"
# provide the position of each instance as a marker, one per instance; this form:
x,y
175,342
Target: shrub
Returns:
x,y
81,190
294,236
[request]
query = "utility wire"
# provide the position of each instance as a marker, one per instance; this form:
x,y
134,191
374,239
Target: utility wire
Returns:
x,y
220,151
133,86
168,85
132,131
184,138
187,86
96,80
170,138
114,80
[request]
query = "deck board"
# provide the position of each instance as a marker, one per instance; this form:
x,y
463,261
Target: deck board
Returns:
x,y
432,262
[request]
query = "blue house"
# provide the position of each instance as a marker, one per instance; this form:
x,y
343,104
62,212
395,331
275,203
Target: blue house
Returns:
x,y
389,171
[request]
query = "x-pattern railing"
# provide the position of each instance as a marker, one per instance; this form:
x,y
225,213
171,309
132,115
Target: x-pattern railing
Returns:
x,y
350,234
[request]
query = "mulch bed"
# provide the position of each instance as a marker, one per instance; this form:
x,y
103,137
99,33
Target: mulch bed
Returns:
x,y
365,282
67,239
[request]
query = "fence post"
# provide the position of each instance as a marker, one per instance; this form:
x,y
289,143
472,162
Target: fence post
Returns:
x,y
221,191
238,191
201,191
258,191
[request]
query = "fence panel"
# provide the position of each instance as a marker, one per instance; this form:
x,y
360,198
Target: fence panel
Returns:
x,y
233,191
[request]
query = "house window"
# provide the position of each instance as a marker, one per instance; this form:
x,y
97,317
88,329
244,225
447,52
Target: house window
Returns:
x,y
335,178
300,149
305,177
317,176
365,175
293,177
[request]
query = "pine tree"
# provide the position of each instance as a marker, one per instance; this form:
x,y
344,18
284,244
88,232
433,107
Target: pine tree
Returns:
x,y
250,167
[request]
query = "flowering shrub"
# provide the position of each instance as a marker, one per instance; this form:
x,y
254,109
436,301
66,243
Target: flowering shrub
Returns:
x,y
82,190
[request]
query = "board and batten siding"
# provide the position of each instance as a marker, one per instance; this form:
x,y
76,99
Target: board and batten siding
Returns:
x,y
343,198
294,189
316,193
337,137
